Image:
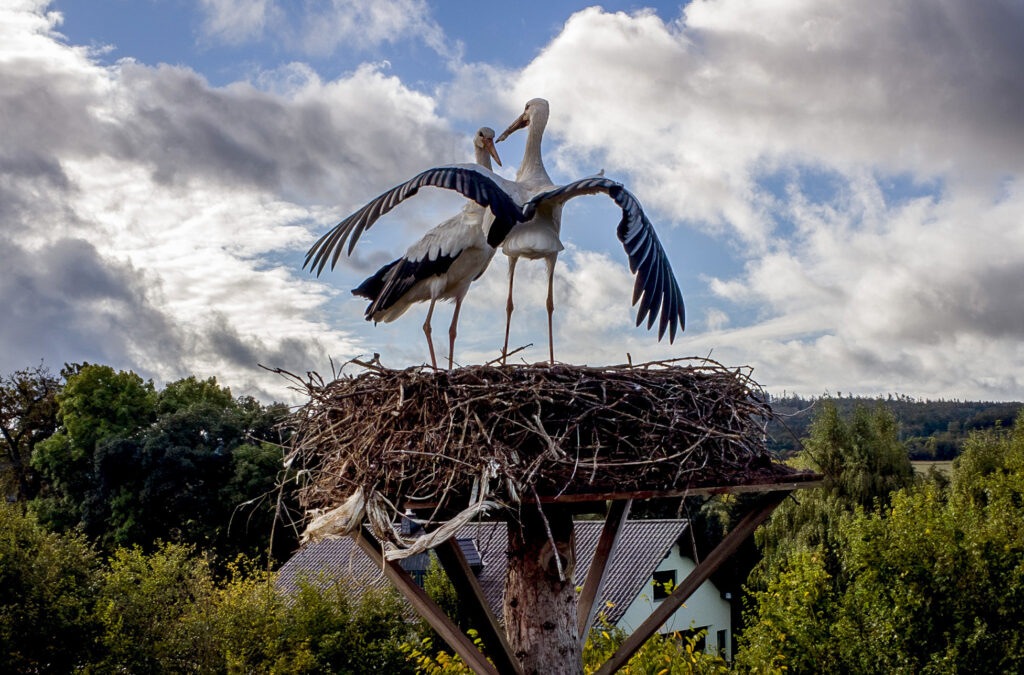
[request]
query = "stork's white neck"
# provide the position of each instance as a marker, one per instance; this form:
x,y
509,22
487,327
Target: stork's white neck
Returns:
x,y
483,158
531,170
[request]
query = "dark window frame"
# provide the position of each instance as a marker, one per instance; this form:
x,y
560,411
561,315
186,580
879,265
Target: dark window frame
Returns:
x,y
661,577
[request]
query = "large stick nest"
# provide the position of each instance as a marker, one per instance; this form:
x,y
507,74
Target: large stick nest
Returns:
x,y
509,434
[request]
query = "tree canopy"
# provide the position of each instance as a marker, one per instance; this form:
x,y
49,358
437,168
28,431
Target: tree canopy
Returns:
x,y
928,580
190,463
862,462
929,429
28,415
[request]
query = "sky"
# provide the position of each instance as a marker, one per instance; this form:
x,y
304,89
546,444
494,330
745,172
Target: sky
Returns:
x,y
839,186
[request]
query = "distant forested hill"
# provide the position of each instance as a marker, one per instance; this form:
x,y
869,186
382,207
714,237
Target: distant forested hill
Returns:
x,y
931,429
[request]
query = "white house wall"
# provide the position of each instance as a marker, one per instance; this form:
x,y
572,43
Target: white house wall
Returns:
x,y
705,607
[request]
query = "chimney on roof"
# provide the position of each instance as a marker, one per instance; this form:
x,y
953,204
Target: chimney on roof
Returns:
x,y
409,526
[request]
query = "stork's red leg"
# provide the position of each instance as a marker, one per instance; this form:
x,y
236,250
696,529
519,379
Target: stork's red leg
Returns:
x,y
551,304
426,331
451,332
508,306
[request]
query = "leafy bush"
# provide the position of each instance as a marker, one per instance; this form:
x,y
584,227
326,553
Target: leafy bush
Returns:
x,y
165,612
148,606
933,582
47,585
660,655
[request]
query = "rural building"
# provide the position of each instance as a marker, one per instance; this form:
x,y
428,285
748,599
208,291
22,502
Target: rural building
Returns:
x,y
648,551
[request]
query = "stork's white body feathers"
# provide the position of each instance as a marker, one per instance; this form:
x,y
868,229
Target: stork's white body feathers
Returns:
x,y
460,237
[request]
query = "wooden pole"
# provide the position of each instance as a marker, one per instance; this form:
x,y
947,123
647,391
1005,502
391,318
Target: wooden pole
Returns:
x,y
472,599
693,581
540,595
586,607
422,603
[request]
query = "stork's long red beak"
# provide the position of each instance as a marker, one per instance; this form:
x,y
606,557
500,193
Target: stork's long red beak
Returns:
x,y
491,150
522,121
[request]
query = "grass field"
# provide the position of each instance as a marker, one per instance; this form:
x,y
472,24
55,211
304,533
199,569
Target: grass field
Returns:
x,y
922,466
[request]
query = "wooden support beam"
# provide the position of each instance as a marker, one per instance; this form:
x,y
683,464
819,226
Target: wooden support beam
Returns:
x,y
422,603
693,581
471,597
798,481
787,486
586,606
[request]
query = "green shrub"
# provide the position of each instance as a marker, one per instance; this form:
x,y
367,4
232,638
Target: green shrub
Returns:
x,y
148,606
47,592
931,582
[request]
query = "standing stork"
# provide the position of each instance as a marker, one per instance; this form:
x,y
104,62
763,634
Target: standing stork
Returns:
x,y
440,266
537,238
526,213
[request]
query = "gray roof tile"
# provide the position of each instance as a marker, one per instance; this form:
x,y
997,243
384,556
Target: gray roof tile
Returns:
x,y
643,545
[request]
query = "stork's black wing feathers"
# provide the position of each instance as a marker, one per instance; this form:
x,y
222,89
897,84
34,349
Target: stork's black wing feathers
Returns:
x,y
655,288
472,183
372,286
650,303
397,277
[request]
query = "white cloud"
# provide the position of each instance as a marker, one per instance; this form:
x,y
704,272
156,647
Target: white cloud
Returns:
x,y
168,217
861,289
698,109
930,299
319,27
715,319
237,21
180,210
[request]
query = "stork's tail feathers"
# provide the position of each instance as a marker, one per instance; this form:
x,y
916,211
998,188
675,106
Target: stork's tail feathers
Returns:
x,y
372,286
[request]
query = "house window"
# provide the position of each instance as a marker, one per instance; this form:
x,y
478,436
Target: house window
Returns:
x,y
699,636
664,584
722,637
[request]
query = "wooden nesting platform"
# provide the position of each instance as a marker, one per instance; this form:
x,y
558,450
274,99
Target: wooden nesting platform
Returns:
x,y
531,444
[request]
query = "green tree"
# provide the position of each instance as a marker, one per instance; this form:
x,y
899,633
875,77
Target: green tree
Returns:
x,y
188,464
97,404
47,595
862,461
154,611
204,473
189,392
931,582
28,415
790,622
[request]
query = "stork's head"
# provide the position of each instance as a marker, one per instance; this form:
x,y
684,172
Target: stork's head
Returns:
x,y
535,113
483,142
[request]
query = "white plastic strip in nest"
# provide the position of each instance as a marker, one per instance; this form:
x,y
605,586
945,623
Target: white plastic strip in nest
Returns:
x,y
338,522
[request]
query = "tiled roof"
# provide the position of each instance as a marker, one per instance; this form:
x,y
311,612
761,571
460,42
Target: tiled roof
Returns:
x,y
643,544
326,560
